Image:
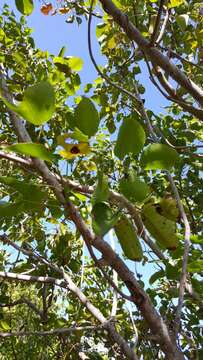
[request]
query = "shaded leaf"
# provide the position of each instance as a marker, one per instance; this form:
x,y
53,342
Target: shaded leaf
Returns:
x,y
29,191
86,117
8,209
156,276
101,192
103,218
133,188
31,149
131,138
182,21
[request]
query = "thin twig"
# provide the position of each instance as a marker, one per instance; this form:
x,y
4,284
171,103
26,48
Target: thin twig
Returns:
x,y
68,283
115,85
163,28
157,23
110,281
115,278
179,57
15,158
175,97
183,277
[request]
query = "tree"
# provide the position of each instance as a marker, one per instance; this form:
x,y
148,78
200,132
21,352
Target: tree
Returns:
x,y
104,169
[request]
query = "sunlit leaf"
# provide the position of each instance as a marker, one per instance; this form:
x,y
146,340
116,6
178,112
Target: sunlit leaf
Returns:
x,y
25,6
75,63
175,3
38,103
159,156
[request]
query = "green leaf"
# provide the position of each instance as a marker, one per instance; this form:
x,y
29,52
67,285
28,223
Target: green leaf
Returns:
x,y
31,149
175,3
79,196
159,156
101,193
156,276
38,103
62,65
133,188
79,136
75,63
86,117
131,138
4,325
103,218
182,20
195,266
25,6
31,192
8,209
62,51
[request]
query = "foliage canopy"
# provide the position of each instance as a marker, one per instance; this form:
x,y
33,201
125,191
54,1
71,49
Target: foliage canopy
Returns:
x,y
83,161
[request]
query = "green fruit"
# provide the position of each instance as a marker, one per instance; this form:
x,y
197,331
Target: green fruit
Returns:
x,y
128,239
161,228
103,218
133,188
169,208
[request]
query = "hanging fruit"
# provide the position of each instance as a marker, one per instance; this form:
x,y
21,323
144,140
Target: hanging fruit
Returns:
x,y
128,239
161,228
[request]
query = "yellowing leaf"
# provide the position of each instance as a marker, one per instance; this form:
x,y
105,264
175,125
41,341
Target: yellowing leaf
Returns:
x,y
45,9
75,63
175,3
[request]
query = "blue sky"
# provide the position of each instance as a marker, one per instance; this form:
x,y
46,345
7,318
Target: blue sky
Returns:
x,y
52,32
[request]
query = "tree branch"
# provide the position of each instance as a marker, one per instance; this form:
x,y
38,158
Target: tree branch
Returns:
x,y
139,296
175,97
15,158
153,53
57,332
